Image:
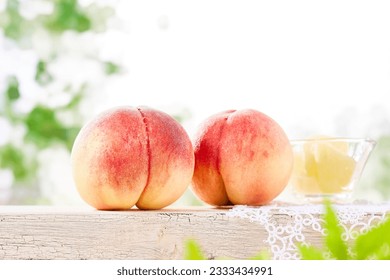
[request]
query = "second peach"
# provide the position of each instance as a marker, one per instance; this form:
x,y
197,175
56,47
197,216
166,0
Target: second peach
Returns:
x,y
241,157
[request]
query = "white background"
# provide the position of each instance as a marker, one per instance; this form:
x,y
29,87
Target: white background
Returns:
x,y
316,67
304,270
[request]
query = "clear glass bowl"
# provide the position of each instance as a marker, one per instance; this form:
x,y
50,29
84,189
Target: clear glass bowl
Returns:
x,y
328,167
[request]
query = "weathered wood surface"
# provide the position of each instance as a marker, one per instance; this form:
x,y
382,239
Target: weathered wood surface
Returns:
x,y
55,233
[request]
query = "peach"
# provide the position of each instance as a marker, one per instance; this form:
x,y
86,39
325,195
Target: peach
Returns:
x,y
130,156
241,157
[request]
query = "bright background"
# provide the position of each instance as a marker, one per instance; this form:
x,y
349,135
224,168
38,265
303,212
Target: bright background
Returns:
x,y
305,63
316,67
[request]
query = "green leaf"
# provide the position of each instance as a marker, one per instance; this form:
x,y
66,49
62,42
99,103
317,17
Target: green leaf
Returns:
x,y
76,99
44,127
111,68
68,15
370,244
309,252
263,255
42,76
192,251
11,94
333,239
13,26
12,158
383,253
12,91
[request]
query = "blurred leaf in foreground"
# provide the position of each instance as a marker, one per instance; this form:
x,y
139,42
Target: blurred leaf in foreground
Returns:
x,y
333,239
263,255
373,244
310,252
192,251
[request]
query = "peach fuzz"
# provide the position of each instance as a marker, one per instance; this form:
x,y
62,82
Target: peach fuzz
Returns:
x,y
241,157
130,156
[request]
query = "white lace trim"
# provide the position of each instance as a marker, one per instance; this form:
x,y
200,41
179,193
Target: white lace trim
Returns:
x,y
284,234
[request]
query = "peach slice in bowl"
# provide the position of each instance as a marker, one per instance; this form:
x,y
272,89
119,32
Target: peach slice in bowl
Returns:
x,y
328,167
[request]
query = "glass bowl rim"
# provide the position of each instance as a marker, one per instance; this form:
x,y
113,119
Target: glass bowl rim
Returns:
x,y
333,139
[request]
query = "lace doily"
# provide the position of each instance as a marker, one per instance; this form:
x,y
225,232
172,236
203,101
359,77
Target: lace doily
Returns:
x,y
284,234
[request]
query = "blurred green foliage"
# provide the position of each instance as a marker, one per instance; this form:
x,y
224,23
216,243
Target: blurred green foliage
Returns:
x,y
193,251
12,91
42,124
42,76
373,244
12,157
111,68
43,128
68,15
13,23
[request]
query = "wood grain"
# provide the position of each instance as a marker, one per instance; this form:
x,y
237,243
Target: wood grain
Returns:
x,y
65,233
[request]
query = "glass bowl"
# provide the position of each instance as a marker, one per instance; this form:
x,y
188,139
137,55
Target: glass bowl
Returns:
x,y
328,167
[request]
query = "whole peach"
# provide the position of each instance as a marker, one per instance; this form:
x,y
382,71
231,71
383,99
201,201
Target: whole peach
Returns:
x,y
241,157
130,156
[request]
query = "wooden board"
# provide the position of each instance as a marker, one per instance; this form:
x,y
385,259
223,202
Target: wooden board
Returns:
x,y
66,233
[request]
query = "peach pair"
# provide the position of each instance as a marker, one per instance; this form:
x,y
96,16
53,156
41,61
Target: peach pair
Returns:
x,y
140,156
